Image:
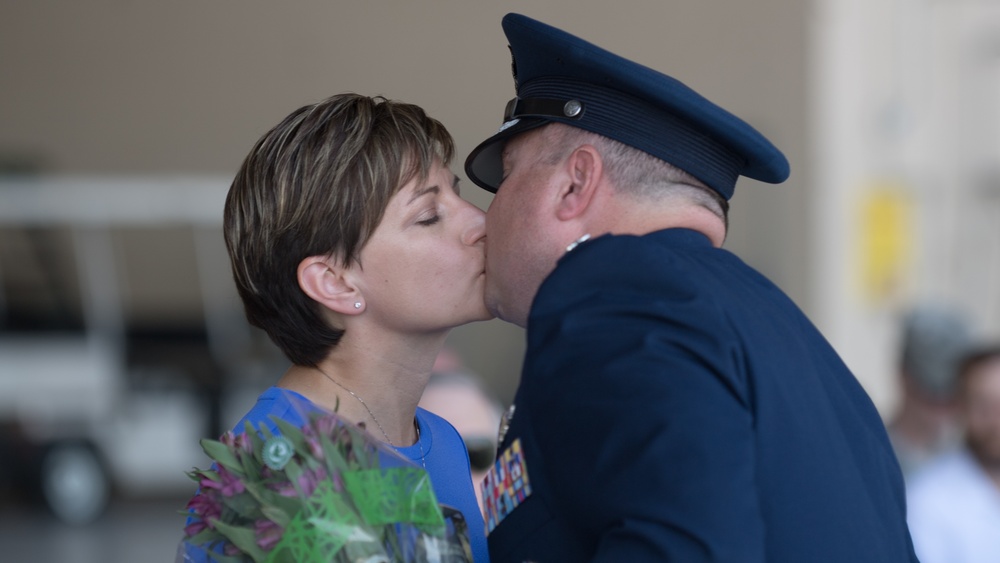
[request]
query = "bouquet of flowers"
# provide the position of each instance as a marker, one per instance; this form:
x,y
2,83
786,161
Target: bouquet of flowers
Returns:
x,y
326,491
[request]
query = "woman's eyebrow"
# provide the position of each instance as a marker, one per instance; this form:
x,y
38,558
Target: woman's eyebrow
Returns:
x,y
422,192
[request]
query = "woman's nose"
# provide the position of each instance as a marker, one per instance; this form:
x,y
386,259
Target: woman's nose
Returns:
x,y
475,229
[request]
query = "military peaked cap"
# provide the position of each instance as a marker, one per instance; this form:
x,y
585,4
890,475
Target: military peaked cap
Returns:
x,y
561,78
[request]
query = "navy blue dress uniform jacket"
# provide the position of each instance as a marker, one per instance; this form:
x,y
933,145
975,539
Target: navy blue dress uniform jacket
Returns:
x,y
675,405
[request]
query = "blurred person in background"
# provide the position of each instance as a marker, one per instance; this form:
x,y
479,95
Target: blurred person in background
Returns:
x,y
460,397
954,501
353,250
934,340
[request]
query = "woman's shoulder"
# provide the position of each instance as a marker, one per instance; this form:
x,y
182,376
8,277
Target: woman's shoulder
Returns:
x,y
276,402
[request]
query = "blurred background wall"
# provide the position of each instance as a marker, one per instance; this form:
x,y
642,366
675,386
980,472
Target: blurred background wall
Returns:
x,y
887,110
904,106
153,89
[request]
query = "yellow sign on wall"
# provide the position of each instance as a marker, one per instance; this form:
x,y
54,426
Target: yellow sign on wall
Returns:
x,y
885,240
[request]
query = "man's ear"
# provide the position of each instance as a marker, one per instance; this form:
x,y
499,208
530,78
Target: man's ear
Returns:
x,y
329,283
584,169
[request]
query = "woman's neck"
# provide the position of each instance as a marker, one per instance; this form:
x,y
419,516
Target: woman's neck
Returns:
x,y
377,385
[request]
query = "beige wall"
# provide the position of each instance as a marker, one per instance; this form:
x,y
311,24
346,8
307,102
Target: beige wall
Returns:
x,y
115,87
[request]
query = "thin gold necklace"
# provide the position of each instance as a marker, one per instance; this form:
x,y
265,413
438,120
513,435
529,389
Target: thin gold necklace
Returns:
x,y
416,425
363,403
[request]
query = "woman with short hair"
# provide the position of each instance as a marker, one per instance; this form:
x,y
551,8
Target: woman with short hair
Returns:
x,y
353,250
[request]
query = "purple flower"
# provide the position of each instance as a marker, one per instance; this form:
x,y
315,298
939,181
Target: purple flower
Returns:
x,y
307,482
284,489
228,438
267,533
312,435
310,479
240,444
204,507
326,425
194,528
244,444
230,485
315,448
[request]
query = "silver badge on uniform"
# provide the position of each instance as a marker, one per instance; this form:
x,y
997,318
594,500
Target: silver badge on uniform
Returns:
x,y
508,415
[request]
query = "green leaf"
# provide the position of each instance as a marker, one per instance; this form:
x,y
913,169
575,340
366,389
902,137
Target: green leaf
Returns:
x,y
264,432
270,499
336,463
294,471
208,474
205,537
221,454
242,538
244,505
257,437
251,466
359,440
276,515
195,475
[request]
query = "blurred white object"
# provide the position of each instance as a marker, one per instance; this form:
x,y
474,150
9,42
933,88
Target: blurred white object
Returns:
x,y
69,392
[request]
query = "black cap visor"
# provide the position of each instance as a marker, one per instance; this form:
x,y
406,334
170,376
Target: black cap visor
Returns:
x,y
484,166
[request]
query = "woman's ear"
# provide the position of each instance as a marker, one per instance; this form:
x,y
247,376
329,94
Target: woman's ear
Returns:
x,y
584,169
329,283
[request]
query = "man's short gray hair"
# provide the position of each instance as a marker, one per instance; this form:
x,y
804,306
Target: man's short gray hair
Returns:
x,y
635,172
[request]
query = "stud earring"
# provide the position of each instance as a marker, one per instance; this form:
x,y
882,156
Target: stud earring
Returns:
x,y
357,304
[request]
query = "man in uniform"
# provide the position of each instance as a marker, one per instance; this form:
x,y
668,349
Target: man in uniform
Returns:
x,y
674,404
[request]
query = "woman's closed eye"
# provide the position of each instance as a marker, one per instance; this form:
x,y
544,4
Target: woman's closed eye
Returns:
x,y
430,220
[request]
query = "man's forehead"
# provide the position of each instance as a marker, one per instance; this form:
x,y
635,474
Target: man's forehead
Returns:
x,y
511,146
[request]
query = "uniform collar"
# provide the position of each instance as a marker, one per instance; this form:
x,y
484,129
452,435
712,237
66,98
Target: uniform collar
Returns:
x,y
681,237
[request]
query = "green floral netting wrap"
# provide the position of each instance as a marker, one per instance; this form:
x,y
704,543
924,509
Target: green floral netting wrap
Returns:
x,y
325,492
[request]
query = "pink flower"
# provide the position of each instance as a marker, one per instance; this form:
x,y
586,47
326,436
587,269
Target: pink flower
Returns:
x,y
204,507
240,444
326,425
230,485
315,448
267,533
310,479
194,528
307,482
284,489
244,443
228,438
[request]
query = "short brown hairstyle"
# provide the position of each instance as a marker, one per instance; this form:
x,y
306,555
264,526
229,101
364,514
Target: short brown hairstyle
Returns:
x,y
317,184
